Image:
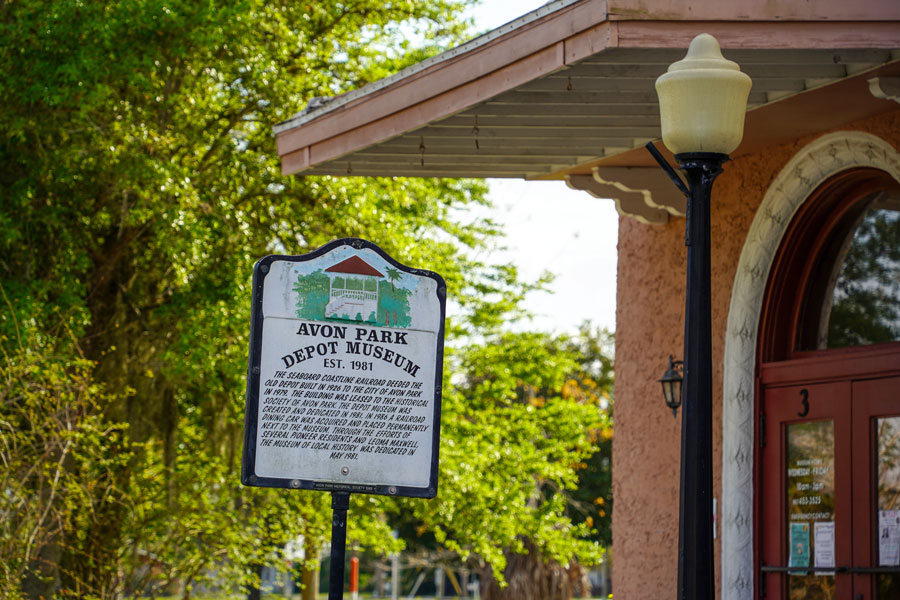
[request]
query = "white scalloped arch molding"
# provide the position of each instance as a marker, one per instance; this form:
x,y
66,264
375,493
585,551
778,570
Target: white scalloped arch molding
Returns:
x,y
812,165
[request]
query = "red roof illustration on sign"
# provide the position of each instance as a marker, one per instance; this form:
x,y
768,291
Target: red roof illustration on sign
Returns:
x,y
354,266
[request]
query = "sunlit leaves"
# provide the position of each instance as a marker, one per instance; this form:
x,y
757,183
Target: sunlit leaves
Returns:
x,y
518,426
140,184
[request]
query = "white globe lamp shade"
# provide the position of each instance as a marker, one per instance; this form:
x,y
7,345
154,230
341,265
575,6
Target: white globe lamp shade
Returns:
x,y
703,100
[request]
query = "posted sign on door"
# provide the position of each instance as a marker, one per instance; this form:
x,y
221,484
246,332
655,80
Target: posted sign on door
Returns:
x,y
344,380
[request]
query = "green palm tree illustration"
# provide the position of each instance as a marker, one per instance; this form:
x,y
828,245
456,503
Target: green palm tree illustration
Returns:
x,y
393,275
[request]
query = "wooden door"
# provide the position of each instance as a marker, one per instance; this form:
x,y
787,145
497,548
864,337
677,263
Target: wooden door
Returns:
x,y
876,489
806,503
829,481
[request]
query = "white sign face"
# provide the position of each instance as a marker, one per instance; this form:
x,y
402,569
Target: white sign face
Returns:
x,y
345,373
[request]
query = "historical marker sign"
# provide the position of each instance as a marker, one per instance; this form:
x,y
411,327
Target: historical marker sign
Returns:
x,y
344,381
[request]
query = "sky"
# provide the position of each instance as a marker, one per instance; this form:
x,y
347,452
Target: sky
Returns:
x,y
550,227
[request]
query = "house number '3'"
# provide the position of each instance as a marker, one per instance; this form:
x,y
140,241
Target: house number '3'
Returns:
x,y
805,402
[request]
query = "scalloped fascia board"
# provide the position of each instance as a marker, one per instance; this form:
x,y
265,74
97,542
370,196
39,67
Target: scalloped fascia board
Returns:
x,y
629,203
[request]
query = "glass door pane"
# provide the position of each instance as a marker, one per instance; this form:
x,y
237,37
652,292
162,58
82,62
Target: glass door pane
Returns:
x,y
810,506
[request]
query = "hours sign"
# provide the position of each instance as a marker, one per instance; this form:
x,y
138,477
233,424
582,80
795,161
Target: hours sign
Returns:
x,y
344,380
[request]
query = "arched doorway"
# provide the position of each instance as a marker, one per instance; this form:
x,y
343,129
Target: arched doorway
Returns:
x,y
827,480
813,164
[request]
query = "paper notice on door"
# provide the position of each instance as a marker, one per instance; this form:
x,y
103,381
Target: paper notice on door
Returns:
x,y
823,545
799,545
889,538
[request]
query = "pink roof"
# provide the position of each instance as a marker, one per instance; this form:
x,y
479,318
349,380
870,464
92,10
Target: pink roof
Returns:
x,y
570,87
355,266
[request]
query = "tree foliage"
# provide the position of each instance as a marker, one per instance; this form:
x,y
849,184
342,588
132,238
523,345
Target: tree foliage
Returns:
x,y
140,184
527,414
58,454
592,501
866,302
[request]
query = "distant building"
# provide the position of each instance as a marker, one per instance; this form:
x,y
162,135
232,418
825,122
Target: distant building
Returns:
x,y
806,272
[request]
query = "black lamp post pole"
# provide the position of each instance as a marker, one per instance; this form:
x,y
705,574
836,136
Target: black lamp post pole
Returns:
x,y
695,538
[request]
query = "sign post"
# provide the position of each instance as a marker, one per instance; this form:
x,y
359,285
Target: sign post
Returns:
x,y
344,378
340,502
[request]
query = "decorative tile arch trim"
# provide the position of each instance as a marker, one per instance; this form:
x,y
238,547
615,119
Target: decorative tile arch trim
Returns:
x,y
812,165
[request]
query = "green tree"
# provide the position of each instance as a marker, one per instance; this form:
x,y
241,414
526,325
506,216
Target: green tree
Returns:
x,y
393,303
393,275
313,292
592,501
517,429
58,454
140,184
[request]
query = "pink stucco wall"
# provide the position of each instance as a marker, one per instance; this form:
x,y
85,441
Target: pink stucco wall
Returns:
x,y
650,321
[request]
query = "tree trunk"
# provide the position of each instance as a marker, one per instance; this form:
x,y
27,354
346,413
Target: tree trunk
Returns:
x,y
529,577
43,573
439,583
310,581
379,581
310,574
580,582
254,592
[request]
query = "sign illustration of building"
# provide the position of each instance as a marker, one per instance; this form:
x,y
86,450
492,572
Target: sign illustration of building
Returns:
x,y
353,288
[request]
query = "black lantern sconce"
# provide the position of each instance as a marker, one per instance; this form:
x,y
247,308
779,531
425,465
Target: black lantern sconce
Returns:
x,y
671,384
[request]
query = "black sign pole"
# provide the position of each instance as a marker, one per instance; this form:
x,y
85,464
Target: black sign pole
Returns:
x,y
340,502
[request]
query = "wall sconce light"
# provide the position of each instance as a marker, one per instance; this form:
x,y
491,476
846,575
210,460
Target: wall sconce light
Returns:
x,y
671,384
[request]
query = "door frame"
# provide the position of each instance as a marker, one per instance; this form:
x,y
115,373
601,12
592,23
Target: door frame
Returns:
x,y
790,318
816,162
821,401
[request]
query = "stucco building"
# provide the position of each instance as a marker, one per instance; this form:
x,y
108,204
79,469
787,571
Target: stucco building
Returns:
x,y
805,295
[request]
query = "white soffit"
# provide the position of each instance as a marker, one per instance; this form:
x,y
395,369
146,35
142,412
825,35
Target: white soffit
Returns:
x,y
597,108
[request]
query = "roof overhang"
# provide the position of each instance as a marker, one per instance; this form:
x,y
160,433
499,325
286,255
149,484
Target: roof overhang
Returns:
x,y
567,91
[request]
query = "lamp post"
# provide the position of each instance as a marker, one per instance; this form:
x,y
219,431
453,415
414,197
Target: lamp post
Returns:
x,y
702,101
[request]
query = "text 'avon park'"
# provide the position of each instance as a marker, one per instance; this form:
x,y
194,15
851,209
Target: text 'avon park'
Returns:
x,y
364,342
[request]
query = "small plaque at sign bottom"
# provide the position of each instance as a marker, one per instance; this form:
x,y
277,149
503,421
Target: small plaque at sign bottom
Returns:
x,y
344,380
